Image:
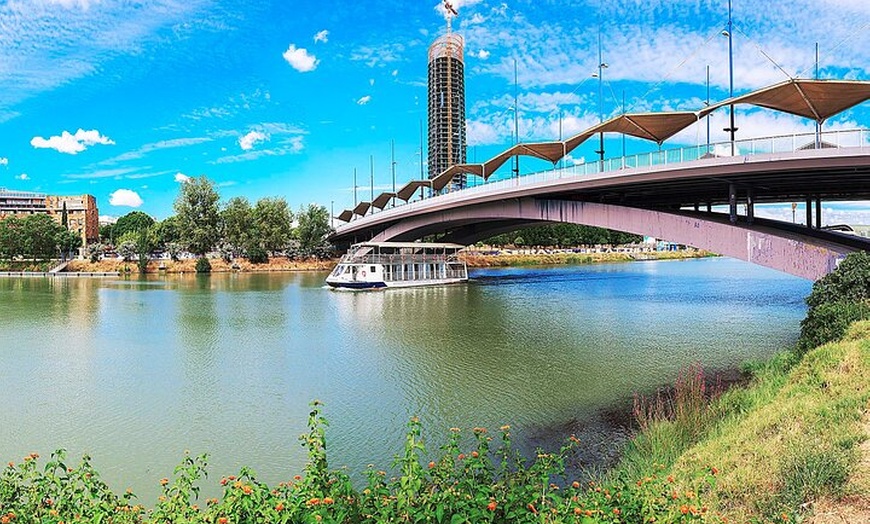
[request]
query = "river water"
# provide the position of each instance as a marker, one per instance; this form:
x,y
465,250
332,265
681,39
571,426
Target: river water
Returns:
x,y
134,371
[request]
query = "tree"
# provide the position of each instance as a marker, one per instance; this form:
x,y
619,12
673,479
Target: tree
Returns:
x,y
167,231
273,222
237,224
67,242
107,233
95,251
132,221
312,229
40,233
64,217
198,216
11,242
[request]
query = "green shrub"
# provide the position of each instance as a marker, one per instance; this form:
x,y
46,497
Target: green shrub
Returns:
x,y
837,299
203,265
808,473
828,322
257,255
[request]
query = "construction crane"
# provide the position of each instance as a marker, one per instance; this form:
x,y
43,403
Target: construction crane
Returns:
x,y
450,13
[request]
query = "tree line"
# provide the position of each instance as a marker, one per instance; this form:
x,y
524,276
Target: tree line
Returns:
x,y
36,237
202,225
563,235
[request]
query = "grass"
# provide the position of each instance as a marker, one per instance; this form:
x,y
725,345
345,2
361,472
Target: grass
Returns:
x,y
790,438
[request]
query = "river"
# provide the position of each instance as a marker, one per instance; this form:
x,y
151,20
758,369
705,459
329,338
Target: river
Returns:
x,y
136,371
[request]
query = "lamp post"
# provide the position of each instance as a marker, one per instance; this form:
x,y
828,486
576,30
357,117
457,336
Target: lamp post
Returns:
x,y
600,75
728,32
516,120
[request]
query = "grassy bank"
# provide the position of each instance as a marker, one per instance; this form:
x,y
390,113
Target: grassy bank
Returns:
x,y
479,259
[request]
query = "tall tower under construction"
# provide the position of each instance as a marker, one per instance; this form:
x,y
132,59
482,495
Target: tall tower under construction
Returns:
x,y
447,106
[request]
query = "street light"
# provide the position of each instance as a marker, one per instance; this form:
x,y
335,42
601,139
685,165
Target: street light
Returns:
x,y
727,33
600,75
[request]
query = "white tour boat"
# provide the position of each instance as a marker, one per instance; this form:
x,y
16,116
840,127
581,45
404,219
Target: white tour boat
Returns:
x,y
372,265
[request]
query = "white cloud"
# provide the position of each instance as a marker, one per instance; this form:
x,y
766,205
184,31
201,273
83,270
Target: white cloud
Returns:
x,y
22,176
364,100
322,36
71,144
483,54
300,59
371,81
4,161
126,198
69,4
181,178
395,72
288,146
379,56
248,141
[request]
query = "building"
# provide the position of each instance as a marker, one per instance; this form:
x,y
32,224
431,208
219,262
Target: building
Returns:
x,y
446,105
82,213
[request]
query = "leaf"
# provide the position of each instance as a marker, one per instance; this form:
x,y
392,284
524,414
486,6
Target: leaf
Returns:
x,y
457,519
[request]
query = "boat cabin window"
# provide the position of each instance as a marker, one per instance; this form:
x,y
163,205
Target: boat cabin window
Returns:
x,y
373,268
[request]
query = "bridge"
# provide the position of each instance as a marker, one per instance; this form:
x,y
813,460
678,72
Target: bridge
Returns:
x,y
671,194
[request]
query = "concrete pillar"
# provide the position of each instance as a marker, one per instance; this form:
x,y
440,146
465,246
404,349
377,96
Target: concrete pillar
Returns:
x,y
819,213
809,212
732,203
750,205
709,207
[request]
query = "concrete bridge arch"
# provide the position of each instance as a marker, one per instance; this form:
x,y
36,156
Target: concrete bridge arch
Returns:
x,y
801,252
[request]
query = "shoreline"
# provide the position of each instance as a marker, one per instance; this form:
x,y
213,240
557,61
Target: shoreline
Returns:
x,y
475,258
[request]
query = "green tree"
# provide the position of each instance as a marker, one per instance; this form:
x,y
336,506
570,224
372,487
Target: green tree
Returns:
x,y
167,231
64,217
67,242
40,233
312,229
107,233
132,221
198,216
273,223
11,241
237,224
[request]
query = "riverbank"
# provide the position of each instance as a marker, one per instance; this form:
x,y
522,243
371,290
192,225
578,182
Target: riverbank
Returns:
x,y
218,265
483,258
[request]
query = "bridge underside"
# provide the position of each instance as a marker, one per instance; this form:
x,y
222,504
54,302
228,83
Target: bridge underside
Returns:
x,y
798,251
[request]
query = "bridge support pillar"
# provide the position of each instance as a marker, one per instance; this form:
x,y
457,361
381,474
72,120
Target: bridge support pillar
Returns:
x,y
809,212
732,203
818,213
750,205
709,207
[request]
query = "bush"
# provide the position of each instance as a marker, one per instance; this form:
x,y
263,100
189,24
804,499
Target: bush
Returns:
x,y
258,255
837,299
203,265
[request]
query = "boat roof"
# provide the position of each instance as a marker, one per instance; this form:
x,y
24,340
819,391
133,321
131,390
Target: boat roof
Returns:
x,y
410,245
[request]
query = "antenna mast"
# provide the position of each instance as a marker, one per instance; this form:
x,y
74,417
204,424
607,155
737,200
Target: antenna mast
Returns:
x,y
450,12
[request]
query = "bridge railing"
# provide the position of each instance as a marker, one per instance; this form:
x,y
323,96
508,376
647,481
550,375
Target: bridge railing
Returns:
x,y
790,143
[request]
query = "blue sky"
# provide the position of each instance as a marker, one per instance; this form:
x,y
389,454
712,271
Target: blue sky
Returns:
x,y
123,99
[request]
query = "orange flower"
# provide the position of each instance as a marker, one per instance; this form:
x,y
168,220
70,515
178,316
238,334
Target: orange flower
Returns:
x,y
784,517
232,477
313,501
475,454
491,506
328,500
297,478
532,508
222,520
577,511
684,509
164,481
247,489
461,456
616,511
575,485
431,465
279,506
714,470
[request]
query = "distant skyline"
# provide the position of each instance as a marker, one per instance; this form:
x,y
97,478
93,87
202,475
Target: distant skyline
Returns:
x,y
125,101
